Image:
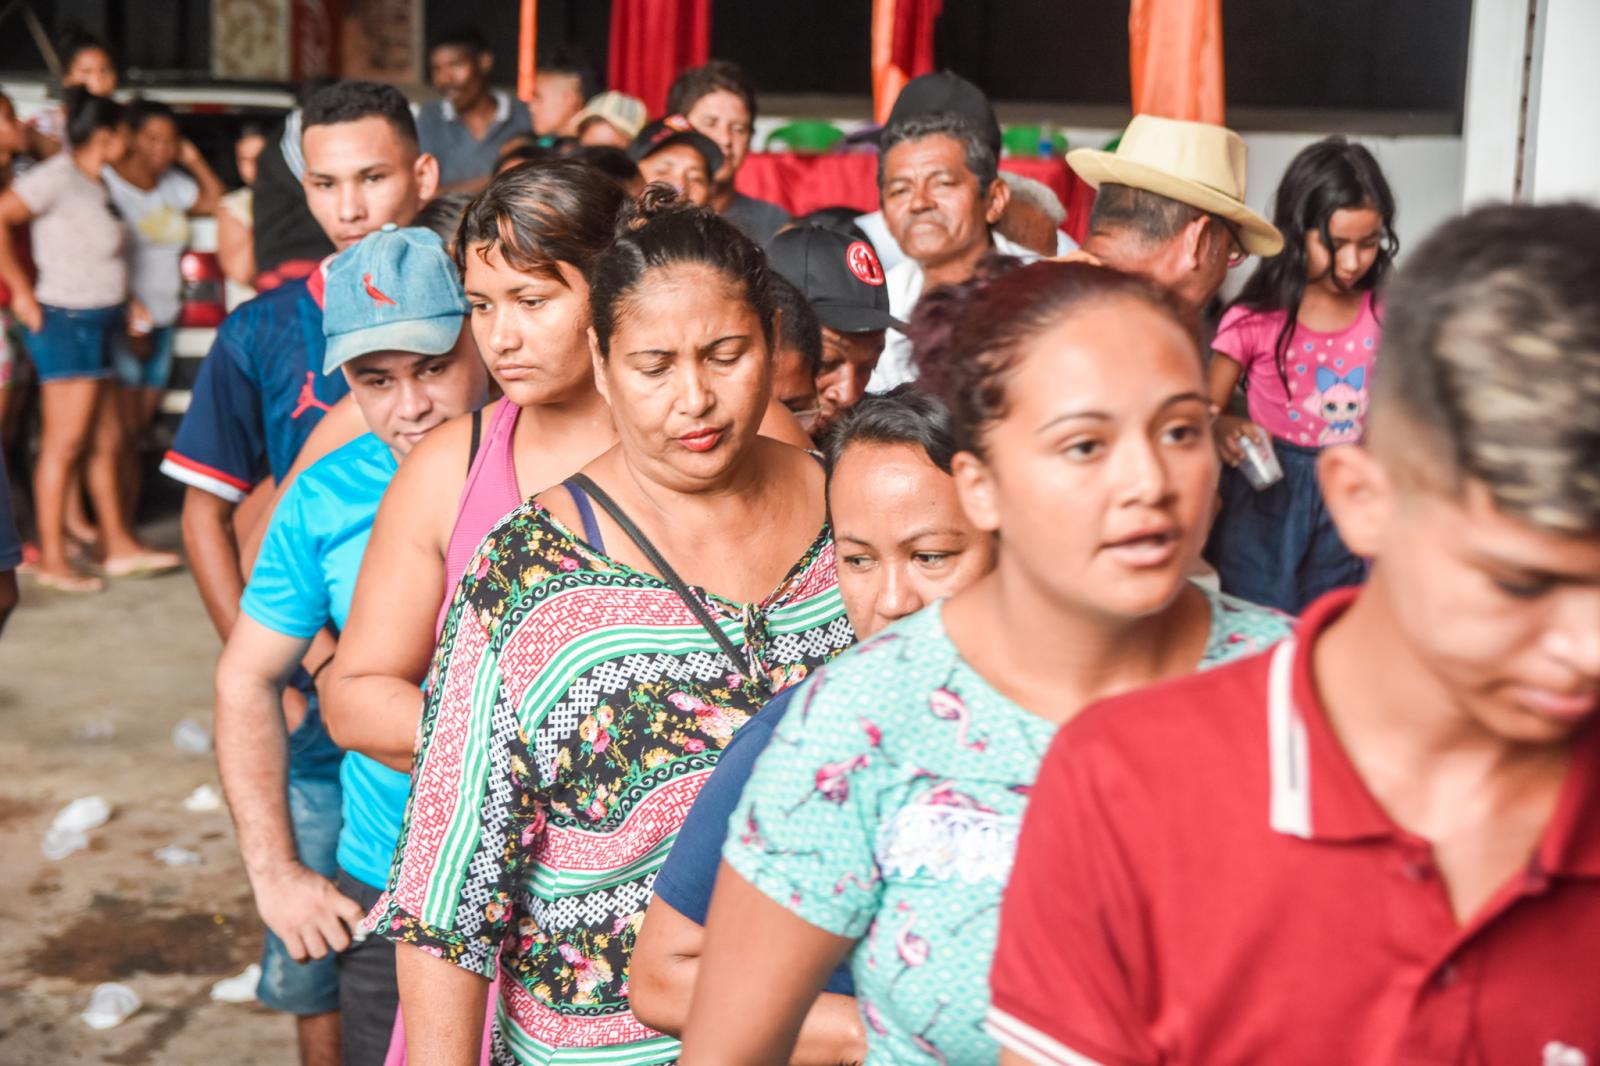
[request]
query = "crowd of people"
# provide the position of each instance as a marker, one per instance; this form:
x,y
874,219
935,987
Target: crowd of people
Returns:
x,y
655,631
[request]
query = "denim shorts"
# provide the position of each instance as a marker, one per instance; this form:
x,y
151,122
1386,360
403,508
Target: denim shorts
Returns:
x,y
149,373
74,343
309,987
1278,547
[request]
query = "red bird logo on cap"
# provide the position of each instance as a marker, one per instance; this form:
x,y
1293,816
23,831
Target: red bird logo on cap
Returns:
x,y
677,122
863,262
372,290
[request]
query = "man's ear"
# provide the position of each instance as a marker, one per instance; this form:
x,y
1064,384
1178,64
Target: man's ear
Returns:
x,y
998,197
426,169
1195,235
485,62
975,489
599,364
1359,493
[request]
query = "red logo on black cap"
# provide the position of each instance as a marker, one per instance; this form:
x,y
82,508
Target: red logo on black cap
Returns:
x,y
863,262
677,122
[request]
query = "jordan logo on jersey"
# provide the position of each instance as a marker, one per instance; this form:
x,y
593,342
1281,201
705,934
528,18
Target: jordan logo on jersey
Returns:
x,y
308,398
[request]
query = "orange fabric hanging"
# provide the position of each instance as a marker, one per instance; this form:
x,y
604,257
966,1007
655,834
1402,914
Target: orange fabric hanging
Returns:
x,y
1175,56
527,49
902,48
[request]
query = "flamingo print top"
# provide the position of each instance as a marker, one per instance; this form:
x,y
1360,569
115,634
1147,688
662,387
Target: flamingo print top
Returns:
x,y
916,773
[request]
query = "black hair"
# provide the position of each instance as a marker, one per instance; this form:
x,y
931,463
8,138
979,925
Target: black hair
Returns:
x,y
142,110
966,338
571,61
539,215
903,415
719,75
513,154
251,128
305,90
1491,362
443,214
1152,218
661,230
612,162
798,326
352,101
981,159
76,40
1325,177
87,113
840,220
459,36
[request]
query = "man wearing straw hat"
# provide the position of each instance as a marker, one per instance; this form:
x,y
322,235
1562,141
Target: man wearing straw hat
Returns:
x,y
1171,206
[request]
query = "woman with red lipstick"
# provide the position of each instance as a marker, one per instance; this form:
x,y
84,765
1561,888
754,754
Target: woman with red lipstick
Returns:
x,y
604,644
1079,404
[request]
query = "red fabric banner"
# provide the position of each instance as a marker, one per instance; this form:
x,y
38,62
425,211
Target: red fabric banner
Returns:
x,y
1175,57
902,48
652,40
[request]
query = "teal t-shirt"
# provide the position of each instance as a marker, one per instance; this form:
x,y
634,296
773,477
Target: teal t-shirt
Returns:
x,y
916,773
304,578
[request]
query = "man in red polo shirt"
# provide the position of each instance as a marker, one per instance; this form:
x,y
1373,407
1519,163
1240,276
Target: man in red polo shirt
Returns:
x,y
1380,842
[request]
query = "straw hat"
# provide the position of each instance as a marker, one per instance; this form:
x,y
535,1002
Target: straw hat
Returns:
x,y
626,113
1194,163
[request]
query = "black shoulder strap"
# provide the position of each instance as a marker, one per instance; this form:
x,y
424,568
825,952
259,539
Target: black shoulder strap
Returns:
x,y
477,438
668,574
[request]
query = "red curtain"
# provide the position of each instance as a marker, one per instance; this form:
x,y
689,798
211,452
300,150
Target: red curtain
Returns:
x,y
652,40
1175,55
902,48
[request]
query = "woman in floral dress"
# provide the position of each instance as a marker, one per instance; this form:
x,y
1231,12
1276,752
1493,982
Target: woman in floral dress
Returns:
x,y
880,824
578,701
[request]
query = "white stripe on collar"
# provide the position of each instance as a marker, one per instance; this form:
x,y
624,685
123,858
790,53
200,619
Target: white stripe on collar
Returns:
x,y
502,107
1289,756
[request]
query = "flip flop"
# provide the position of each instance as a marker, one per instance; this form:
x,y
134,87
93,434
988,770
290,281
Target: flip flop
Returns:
x,y
72,584
142,564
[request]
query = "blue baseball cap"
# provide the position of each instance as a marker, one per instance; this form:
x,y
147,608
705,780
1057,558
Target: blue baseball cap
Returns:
x,y
395,290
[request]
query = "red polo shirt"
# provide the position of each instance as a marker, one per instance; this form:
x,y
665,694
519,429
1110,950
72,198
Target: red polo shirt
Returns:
x,y
1204,878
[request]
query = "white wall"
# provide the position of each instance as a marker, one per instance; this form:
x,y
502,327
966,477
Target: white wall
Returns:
x,y
1563,121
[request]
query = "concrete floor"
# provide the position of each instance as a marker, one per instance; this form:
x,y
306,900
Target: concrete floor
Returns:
x,y
90,690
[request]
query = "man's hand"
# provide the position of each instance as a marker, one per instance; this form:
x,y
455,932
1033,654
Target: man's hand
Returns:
x,y
1228,429
188,154
26,307
306,911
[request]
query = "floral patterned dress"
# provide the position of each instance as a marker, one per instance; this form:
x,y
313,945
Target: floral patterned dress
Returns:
x,y
915,772
575,708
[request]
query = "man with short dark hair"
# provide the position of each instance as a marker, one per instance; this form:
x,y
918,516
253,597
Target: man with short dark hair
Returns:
x,y
259,394
466,129
719,100
1380,842
942,194
1171,206
564,81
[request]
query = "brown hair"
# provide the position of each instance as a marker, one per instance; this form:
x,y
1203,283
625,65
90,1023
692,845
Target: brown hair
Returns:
x,y
541,214
1491,360
967,339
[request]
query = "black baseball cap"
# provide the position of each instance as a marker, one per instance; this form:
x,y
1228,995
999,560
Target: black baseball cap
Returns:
x,y
675,129
946,91
840,275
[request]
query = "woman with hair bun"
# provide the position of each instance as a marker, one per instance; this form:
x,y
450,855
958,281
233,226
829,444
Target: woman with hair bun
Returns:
x,y
73,317
605,642
1083,433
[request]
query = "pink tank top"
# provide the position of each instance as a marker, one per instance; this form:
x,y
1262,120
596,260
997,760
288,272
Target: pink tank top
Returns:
x,y
489,494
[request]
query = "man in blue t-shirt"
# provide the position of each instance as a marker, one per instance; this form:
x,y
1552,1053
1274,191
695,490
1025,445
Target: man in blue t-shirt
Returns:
x,y
259,395
395,326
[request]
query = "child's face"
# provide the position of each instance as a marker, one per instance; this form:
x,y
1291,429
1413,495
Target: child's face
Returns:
x,y
1501,615
1357,234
